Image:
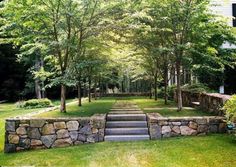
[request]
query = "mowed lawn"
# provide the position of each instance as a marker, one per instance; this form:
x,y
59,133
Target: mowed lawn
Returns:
x,y
205,151
216,150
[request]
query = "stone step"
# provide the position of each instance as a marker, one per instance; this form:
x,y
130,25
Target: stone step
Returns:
x,y
126,137
126,109
126,124
126,112
126,117
126,131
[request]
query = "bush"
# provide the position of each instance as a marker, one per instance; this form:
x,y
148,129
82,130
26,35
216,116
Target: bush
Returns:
x,y
196,88
37,103
170,92
230,108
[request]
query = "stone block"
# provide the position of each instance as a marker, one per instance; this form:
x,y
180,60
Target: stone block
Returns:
x,y
166,131
72,125
201,121
34,133
48,140
62,133
48,129
82,137
202,129
86,130
176,129
162,123
37,123
213,128
24,143
186,131
9,148
222,127
59,125
10,126
13,139
21,130
73,135
193,125
91,138
155,131
35,142
176,123
62,142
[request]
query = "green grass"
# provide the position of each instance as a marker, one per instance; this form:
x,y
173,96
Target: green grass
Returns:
x,y
173,113
208,151
100,106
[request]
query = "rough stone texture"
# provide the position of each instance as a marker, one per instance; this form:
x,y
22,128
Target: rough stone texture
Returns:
x,y
202,128
166,131
155,131
73,135
187,131
37,123
86,130
27,133
48,129
10,126
161,127
13,139
34,133
82,137
21,131
62,142
35,142
72,125
193,125
176,129
48,140
62,134
59,125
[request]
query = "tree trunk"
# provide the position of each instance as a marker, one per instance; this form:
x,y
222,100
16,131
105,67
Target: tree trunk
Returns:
x,y
37,81
95,90
63,99
89,89
79,94
150,93
179,96
166,82
155,86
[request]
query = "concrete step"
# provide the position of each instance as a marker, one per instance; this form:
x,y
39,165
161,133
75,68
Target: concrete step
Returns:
x,y
126,131
126,124
126,117
123,109
126,137
126,112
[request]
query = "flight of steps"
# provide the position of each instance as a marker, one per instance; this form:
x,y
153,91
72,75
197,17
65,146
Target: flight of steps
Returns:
x,y
126,122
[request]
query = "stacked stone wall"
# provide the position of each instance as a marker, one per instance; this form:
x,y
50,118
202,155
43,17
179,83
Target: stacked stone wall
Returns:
x,y
27,133
162,127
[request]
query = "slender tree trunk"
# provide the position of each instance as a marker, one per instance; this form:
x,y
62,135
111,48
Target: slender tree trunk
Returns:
x,y
150,95
43,90
155,86
179,96
63,99
166,82
37,81
89,89
79,94
95,90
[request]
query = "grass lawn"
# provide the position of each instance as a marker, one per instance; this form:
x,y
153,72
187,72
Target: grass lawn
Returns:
x,y
88,109
207,151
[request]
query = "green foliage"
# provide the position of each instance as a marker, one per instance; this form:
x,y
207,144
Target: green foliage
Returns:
x,y
35,103
170,92
196,88
230,108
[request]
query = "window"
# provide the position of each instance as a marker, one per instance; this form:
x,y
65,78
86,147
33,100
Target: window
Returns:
x,y
234,15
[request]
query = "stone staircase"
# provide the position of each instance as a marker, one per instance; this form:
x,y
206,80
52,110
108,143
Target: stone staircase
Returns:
x,y
126,122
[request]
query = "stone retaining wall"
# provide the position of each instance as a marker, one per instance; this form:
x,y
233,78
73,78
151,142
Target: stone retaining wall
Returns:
x,y
162,127
28,133
209,102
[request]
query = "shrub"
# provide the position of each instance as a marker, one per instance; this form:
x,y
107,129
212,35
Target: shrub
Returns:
x,y
196,88
170,92
37,103
230,108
